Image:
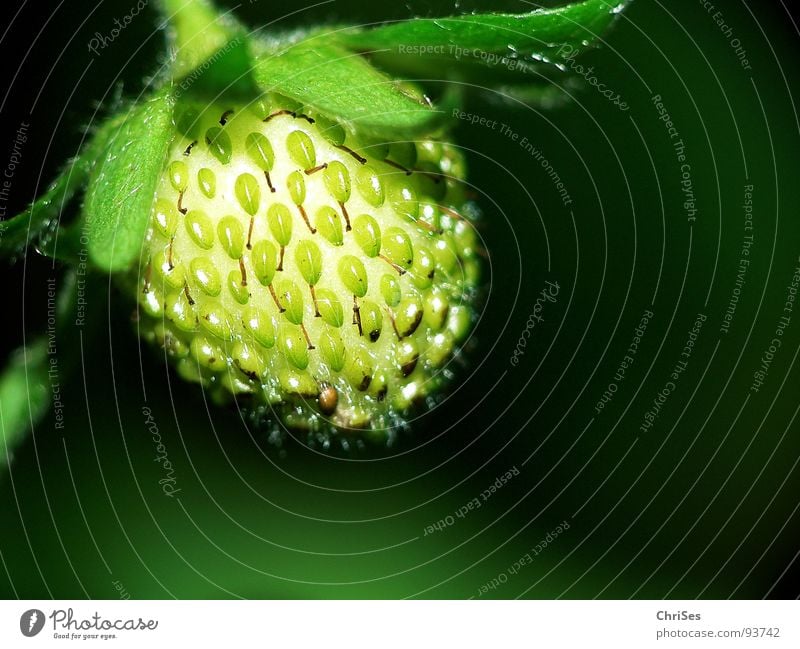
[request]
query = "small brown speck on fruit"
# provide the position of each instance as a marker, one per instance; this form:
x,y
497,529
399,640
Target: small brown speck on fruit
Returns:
x,y
328,398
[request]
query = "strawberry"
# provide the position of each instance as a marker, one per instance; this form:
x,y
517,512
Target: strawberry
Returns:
x,y
329,278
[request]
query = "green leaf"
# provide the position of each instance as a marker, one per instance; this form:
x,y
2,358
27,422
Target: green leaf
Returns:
x,y
25,228
494,40
342,85
26,384
23,396
122,186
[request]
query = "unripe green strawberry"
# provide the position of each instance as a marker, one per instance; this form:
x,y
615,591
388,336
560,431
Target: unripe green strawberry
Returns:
x,y
329,278
315,264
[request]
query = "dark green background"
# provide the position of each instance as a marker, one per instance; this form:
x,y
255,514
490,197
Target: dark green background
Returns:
x,y
704,504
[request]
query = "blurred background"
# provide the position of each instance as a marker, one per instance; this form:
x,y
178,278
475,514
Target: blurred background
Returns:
x,y
639,448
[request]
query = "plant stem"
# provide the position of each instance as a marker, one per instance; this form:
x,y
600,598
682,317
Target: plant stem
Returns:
x,y
198,32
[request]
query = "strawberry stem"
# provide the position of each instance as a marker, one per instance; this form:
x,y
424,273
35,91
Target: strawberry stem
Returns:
x,y
198,32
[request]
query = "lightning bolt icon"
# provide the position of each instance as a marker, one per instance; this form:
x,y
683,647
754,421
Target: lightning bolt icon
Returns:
x,y
32,620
